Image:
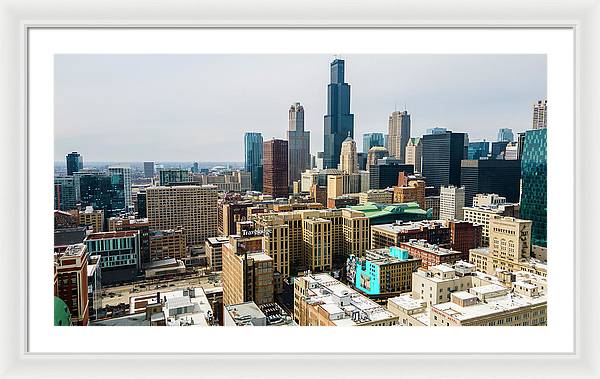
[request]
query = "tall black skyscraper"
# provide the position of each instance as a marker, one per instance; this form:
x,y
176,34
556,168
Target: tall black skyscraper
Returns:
x,y
74,162
491,176
339,122
442,154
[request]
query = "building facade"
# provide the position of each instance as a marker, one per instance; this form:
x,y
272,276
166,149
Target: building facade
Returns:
x,y
275,168
166,244
71,284
167,176
452,201
534,181
414,153
125,173
149,169
398,134
372,139
298,143
253,159
120,254
442,154
74,162
491,176
349,157
540,115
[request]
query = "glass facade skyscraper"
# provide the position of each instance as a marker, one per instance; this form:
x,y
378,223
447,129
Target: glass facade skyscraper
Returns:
x,y
479,149
534,181
442,155
253,159
505,135
74,162
102,191
298,144
338,122
372,139
497,176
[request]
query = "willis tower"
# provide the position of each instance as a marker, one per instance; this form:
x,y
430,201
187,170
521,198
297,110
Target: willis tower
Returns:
x,y
339,122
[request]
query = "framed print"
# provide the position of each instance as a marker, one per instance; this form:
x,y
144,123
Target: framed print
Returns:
x,y
425,180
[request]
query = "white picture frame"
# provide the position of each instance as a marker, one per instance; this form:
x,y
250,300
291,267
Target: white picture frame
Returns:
x,y
17,17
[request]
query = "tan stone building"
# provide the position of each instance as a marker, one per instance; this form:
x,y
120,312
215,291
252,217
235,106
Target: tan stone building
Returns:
x,y
91,217
376,196
413,192
317,244
247,272
482,214
191,207
276,242
167,244
356,228
214,252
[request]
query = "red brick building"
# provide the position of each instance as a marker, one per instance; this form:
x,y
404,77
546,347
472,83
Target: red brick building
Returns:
x,y
71,283
465,236
275,168
431,255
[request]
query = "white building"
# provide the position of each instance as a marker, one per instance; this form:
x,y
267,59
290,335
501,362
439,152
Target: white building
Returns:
x,y
452,201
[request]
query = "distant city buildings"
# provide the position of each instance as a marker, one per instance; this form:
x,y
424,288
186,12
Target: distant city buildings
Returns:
x,y
298,143
371,140
501,177
253,159
168,176
534,183
442,154
540,115
338,122
505,135
349,157
414,153
398,134
275,168
149,169
74,162
125,173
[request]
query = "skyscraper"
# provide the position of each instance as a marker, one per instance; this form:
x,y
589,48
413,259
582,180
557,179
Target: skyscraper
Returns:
x,y
74,162
442,154
452,202
496,176
533,174
349,157
414,153
372,139
505,135
275,168
253,159
148,169
479,149
338,122
540,114
126,173
102,191
298,144
498,149
399,134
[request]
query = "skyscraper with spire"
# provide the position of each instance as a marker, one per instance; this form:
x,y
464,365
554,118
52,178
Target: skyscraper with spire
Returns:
x,y
399,134
298,144
349,157
338,122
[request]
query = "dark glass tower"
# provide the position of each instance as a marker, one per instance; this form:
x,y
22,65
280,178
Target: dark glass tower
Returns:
x,y
338,122
253,159
491,176
442,154
74,162
533,173
105,192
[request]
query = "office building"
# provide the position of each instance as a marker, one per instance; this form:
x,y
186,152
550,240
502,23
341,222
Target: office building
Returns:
x,y
140,204
414,153
452,201
71,284
349,157
498,150
191,207
247,272
166,244
120,254
214,252
385,173
375,154
168,176
434,232
371,140
149,169
481,215
540,115
413,191
376,196
121,224
102,191
91,218
125,173
465,236
338,122
320,300
382,271
511,152
298,143
442,154
317,244
74,163
505,135
478,150
501,177
398,134
433,203
534,183
253,158
65,194
231,213
431,255
436,130
276,244
275,170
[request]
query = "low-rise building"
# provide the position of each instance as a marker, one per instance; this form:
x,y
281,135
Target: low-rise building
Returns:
x,y
376,196
486,210
431,255
214,252
71,281
433,231
167,244
120,252
250,314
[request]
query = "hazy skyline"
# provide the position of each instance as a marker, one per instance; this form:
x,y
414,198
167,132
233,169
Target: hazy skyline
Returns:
x,y
198,107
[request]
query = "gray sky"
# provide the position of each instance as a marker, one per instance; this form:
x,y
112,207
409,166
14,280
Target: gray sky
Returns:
x,y
197,107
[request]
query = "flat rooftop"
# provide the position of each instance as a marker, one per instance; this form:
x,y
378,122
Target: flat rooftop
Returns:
x,y
109,235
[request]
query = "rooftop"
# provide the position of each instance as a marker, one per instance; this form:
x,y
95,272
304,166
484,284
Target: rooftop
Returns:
x,y
109,235
406,227
430,248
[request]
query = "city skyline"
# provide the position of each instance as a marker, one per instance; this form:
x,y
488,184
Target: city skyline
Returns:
x,y
125,108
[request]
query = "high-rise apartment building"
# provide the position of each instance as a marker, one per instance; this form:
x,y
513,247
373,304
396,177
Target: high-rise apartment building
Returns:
x,y
501,177
534,183
149,169
338,122
540,114
349,157
65,194
71,281
398,134
275,168
317,242
276,244
452,201
442,154
298,143
371,140
253,159
414,153
125,173
192,207
505,135
74,162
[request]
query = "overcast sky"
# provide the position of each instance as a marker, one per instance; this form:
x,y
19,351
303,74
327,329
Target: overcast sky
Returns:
x,y
197,107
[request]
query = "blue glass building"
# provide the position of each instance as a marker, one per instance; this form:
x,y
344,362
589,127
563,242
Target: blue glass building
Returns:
x,y
74,162
253,159
372,139
102,191
498,149
505,135
478,150
338,122
534,181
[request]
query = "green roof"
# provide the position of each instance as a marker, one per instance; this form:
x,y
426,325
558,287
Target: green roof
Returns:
x,y
374,210
62,316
